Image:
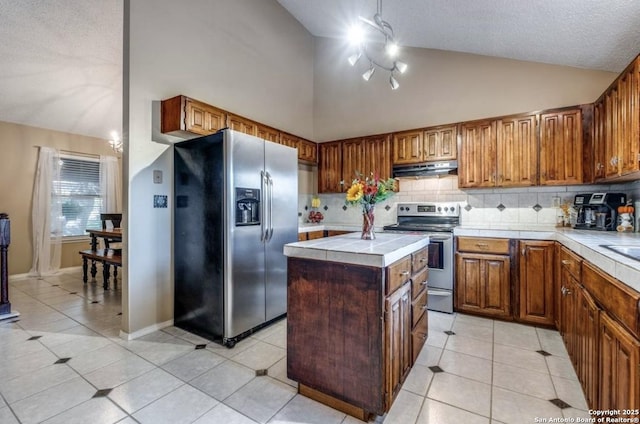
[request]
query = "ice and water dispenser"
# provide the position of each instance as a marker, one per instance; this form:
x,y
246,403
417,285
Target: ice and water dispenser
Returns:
x,y
247,206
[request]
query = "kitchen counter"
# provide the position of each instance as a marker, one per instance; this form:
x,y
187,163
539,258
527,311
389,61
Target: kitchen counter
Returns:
x,y
349,248
305,227
585,243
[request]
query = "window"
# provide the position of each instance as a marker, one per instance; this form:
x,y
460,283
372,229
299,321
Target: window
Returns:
x,y
78,194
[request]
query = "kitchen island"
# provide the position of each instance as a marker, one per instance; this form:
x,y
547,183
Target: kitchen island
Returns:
x,y
356,318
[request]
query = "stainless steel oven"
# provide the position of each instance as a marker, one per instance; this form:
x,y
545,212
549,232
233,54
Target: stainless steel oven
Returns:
x,y
436,220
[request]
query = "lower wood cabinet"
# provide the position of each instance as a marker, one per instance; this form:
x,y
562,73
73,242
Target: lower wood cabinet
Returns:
x,y
535,291
619,368
483,280
397,339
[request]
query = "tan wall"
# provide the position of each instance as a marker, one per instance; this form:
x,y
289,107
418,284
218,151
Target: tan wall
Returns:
x,y
17,174
246,56
439,88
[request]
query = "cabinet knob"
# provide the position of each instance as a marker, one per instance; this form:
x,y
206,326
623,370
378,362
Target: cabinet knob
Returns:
x,y
566,262
524,251
404,273
424,283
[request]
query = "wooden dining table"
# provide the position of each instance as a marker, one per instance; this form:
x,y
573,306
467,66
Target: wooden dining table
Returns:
x,y
108,256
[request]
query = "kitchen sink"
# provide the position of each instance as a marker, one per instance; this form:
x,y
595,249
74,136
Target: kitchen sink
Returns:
x,y
632,252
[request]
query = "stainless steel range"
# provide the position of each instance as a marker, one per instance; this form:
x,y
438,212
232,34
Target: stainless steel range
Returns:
x,y
437,220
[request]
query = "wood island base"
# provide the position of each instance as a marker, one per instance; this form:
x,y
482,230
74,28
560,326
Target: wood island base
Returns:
x,y
334,403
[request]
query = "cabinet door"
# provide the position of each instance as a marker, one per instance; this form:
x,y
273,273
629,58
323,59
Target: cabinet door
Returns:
x,y
477,163
440,143
289,140
407,147
536,282
397,339
353,163
330,167
561,148
628,120
517,152
241,124
587,323
203,119
599,139
377,156
483,284
268,133
618,366
307,151
611,133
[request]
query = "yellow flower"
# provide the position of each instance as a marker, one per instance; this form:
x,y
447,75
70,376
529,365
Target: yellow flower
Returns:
x,y
355,192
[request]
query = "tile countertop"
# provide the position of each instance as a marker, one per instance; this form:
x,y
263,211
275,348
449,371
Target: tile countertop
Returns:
x,y
305,227
349,248
585,243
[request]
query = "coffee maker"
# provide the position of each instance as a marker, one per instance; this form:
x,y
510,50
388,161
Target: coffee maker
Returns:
x,y
598,211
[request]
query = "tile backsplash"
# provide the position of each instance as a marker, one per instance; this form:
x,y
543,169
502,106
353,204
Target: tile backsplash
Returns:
x,y
482,207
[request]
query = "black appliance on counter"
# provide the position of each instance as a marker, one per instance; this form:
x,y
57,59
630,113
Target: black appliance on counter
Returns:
x,y
598,211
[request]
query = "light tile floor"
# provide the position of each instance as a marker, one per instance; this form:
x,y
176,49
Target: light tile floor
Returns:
x,y
63,362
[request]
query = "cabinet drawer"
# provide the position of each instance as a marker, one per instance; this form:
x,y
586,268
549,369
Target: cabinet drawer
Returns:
x,y
419,259
571,262
419,282
619,300
483,245
419,336
418,307
398,273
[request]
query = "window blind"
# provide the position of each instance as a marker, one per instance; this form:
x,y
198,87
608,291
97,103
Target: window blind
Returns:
x,y
78,193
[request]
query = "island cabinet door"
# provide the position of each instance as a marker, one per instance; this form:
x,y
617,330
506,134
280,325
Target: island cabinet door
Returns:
x,y
397,340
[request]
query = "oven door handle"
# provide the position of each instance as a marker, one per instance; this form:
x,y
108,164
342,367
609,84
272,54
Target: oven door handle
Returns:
x,y
439,293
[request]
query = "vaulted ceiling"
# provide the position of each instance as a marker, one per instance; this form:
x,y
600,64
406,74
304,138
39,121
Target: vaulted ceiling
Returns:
x,y
61,60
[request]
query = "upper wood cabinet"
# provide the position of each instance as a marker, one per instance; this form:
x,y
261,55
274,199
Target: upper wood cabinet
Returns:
x,y
268,133
430,144
182,116
243,125
517,151
407,147
344,160
441,143
561,147
353,163
477,163
616,127
307,151
289,140
330,167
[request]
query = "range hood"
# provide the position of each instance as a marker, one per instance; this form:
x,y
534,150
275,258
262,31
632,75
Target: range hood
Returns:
x,y
426,169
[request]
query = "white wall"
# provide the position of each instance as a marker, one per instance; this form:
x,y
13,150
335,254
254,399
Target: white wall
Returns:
x,y
250,57
439,88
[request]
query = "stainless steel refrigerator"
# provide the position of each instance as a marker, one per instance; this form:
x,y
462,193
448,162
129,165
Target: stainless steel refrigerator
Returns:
x,y
236,205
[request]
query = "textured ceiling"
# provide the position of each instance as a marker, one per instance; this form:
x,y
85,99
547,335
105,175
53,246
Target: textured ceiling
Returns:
x,y
61,60
591,34
61,64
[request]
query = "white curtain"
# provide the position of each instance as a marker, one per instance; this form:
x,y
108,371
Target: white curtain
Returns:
x,y
110,186
46,215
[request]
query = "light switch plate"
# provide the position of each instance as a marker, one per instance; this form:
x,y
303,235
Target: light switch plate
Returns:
x,y
157,176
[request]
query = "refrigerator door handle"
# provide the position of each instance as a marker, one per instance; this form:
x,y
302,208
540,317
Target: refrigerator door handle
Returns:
x,y
263,199
270,228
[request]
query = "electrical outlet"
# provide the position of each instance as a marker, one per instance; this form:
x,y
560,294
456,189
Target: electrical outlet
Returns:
x,y
157,176
556,201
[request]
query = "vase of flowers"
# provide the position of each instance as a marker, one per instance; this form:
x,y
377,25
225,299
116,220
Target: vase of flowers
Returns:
x,y
365,192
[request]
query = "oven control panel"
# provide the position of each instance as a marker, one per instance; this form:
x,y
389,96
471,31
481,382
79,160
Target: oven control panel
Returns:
x,y
429,209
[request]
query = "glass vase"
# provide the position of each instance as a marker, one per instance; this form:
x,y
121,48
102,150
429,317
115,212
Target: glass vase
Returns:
x,y
367,223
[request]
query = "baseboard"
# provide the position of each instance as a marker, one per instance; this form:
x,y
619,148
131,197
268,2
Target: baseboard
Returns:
x,y
68,270
144,331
